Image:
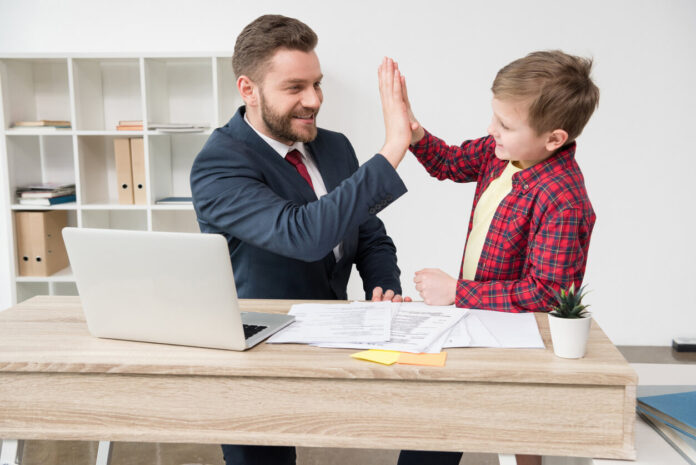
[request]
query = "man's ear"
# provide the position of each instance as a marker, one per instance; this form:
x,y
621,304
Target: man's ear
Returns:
x,y
248,90
556,139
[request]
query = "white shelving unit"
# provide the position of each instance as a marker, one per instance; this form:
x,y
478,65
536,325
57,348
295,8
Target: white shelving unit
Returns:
x,y
95,93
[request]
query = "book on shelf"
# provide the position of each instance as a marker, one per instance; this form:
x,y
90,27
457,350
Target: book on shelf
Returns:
x,y
178,127
44,123
175,201
685,445
677,410
48,201
130,125
45,190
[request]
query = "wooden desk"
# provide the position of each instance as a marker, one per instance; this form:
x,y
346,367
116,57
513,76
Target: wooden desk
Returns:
x,y
58,382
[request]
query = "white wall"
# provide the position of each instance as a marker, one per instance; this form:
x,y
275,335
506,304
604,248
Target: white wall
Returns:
x,y
636,152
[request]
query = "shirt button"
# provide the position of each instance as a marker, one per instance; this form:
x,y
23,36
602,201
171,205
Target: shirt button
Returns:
x,y
526,186
372,211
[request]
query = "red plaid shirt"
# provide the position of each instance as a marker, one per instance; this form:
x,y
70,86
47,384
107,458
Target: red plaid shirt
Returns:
x,y
540,234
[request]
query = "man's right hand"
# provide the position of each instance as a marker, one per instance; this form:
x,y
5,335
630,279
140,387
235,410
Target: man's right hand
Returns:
x,y
397,122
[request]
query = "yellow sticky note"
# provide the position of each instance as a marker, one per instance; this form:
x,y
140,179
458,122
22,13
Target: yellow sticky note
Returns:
x,y
432,360
385,357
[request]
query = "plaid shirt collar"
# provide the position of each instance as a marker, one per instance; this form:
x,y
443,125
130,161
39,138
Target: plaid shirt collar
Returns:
x,y
525,180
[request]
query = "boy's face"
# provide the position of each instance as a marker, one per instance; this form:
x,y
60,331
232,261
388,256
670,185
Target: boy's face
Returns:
x,y
515,140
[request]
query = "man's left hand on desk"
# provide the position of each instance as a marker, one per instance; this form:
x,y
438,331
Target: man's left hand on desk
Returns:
x,y
378,295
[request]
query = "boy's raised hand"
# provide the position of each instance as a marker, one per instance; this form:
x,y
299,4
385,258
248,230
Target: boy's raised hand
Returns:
x,y
417,131
397,124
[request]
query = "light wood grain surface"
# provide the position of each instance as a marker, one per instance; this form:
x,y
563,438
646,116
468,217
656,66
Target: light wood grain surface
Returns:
x,y
49,334
58,382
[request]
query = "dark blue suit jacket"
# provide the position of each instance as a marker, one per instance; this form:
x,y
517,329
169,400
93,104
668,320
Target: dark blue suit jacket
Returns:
x,y
280,237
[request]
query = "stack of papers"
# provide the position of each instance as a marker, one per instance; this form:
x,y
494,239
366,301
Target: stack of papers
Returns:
x,y
407,327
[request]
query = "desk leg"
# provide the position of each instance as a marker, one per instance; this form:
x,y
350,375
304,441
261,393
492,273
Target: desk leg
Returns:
x,y
103,453
11,452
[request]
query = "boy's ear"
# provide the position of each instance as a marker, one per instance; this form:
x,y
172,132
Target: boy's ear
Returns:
x,y
248,90
556,139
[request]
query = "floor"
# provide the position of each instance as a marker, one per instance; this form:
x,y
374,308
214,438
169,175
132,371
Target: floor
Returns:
x,y
128,453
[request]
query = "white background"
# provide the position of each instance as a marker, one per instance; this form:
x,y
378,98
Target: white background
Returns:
x,y
636,153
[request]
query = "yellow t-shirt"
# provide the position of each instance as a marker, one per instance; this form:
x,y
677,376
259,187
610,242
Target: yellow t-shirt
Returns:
x,y
483,216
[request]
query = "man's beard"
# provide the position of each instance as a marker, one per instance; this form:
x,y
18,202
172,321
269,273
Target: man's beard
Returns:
x,y
281,125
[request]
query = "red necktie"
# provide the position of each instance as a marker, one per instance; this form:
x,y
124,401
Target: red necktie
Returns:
x,y
295,158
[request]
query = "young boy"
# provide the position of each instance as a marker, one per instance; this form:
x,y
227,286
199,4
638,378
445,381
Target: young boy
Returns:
x,y
531,218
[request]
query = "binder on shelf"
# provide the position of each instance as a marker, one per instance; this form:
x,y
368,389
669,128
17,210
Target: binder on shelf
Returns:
x,y
40,247
124,172
137,148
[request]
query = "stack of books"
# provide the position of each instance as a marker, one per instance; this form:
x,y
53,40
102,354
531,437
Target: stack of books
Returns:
x,y
46,194
175,201
132,125
178,127
673,416
44,123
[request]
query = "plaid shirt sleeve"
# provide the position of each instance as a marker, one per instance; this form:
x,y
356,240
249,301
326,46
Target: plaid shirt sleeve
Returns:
x,y
556,259
459,163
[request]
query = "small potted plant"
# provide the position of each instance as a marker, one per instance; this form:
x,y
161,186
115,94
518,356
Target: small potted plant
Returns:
x,y
569,322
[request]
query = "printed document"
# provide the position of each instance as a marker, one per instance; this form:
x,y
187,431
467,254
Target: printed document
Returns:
x,y
415,327
364,322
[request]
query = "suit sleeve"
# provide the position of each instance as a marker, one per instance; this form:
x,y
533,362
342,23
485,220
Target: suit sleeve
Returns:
x,y
375,258
230,195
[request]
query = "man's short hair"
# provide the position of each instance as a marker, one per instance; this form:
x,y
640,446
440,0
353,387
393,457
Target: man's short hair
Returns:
x,y
260,39
557,86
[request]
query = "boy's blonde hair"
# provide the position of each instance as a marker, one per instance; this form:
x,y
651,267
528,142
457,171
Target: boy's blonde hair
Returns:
x,y
558,87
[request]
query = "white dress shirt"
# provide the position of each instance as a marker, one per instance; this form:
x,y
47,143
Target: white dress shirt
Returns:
x,y
314,174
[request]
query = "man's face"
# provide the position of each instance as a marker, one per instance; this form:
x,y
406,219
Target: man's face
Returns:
x,y
290,96
515,140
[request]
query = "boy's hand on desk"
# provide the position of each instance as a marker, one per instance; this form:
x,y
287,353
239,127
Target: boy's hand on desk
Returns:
x,y
378,295
435,286
397,124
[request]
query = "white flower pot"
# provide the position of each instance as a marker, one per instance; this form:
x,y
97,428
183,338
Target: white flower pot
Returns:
x,y
569,335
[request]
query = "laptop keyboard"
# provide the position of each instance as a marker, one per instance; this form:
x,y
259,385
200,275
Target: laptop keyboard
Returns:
x,y
250,330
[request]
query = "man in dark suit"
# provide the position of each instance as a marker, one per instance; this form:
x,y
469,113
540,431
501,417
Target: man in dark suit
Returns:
x,y
295,206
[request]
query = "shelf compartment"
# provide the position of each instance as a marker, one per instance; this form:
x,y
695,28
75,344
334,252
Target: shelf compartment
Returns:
x,y
171,159
99,186
175,221
228,97
35,89
106,91
39,159
27,290
180,90
63,288
135,220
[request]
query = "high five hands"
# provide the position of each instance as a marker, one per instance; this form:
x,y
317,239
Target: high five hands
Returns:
x,y
401,127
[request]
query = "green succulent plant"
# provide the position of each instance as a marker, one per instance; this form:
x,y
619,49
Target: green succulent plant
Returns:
x,y
570,303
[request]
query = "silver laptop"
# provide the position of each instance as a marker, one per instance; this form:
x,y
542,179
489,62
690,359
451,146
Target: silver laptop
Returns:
x,y
173,288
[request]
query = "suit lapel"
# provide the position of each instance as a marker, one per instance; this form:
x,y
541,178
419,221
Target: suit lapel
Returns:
x,y
327,169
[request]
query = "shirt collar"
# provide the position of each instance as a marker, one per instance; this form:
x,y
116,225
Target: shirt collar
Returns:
x,y
278,146
558,162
